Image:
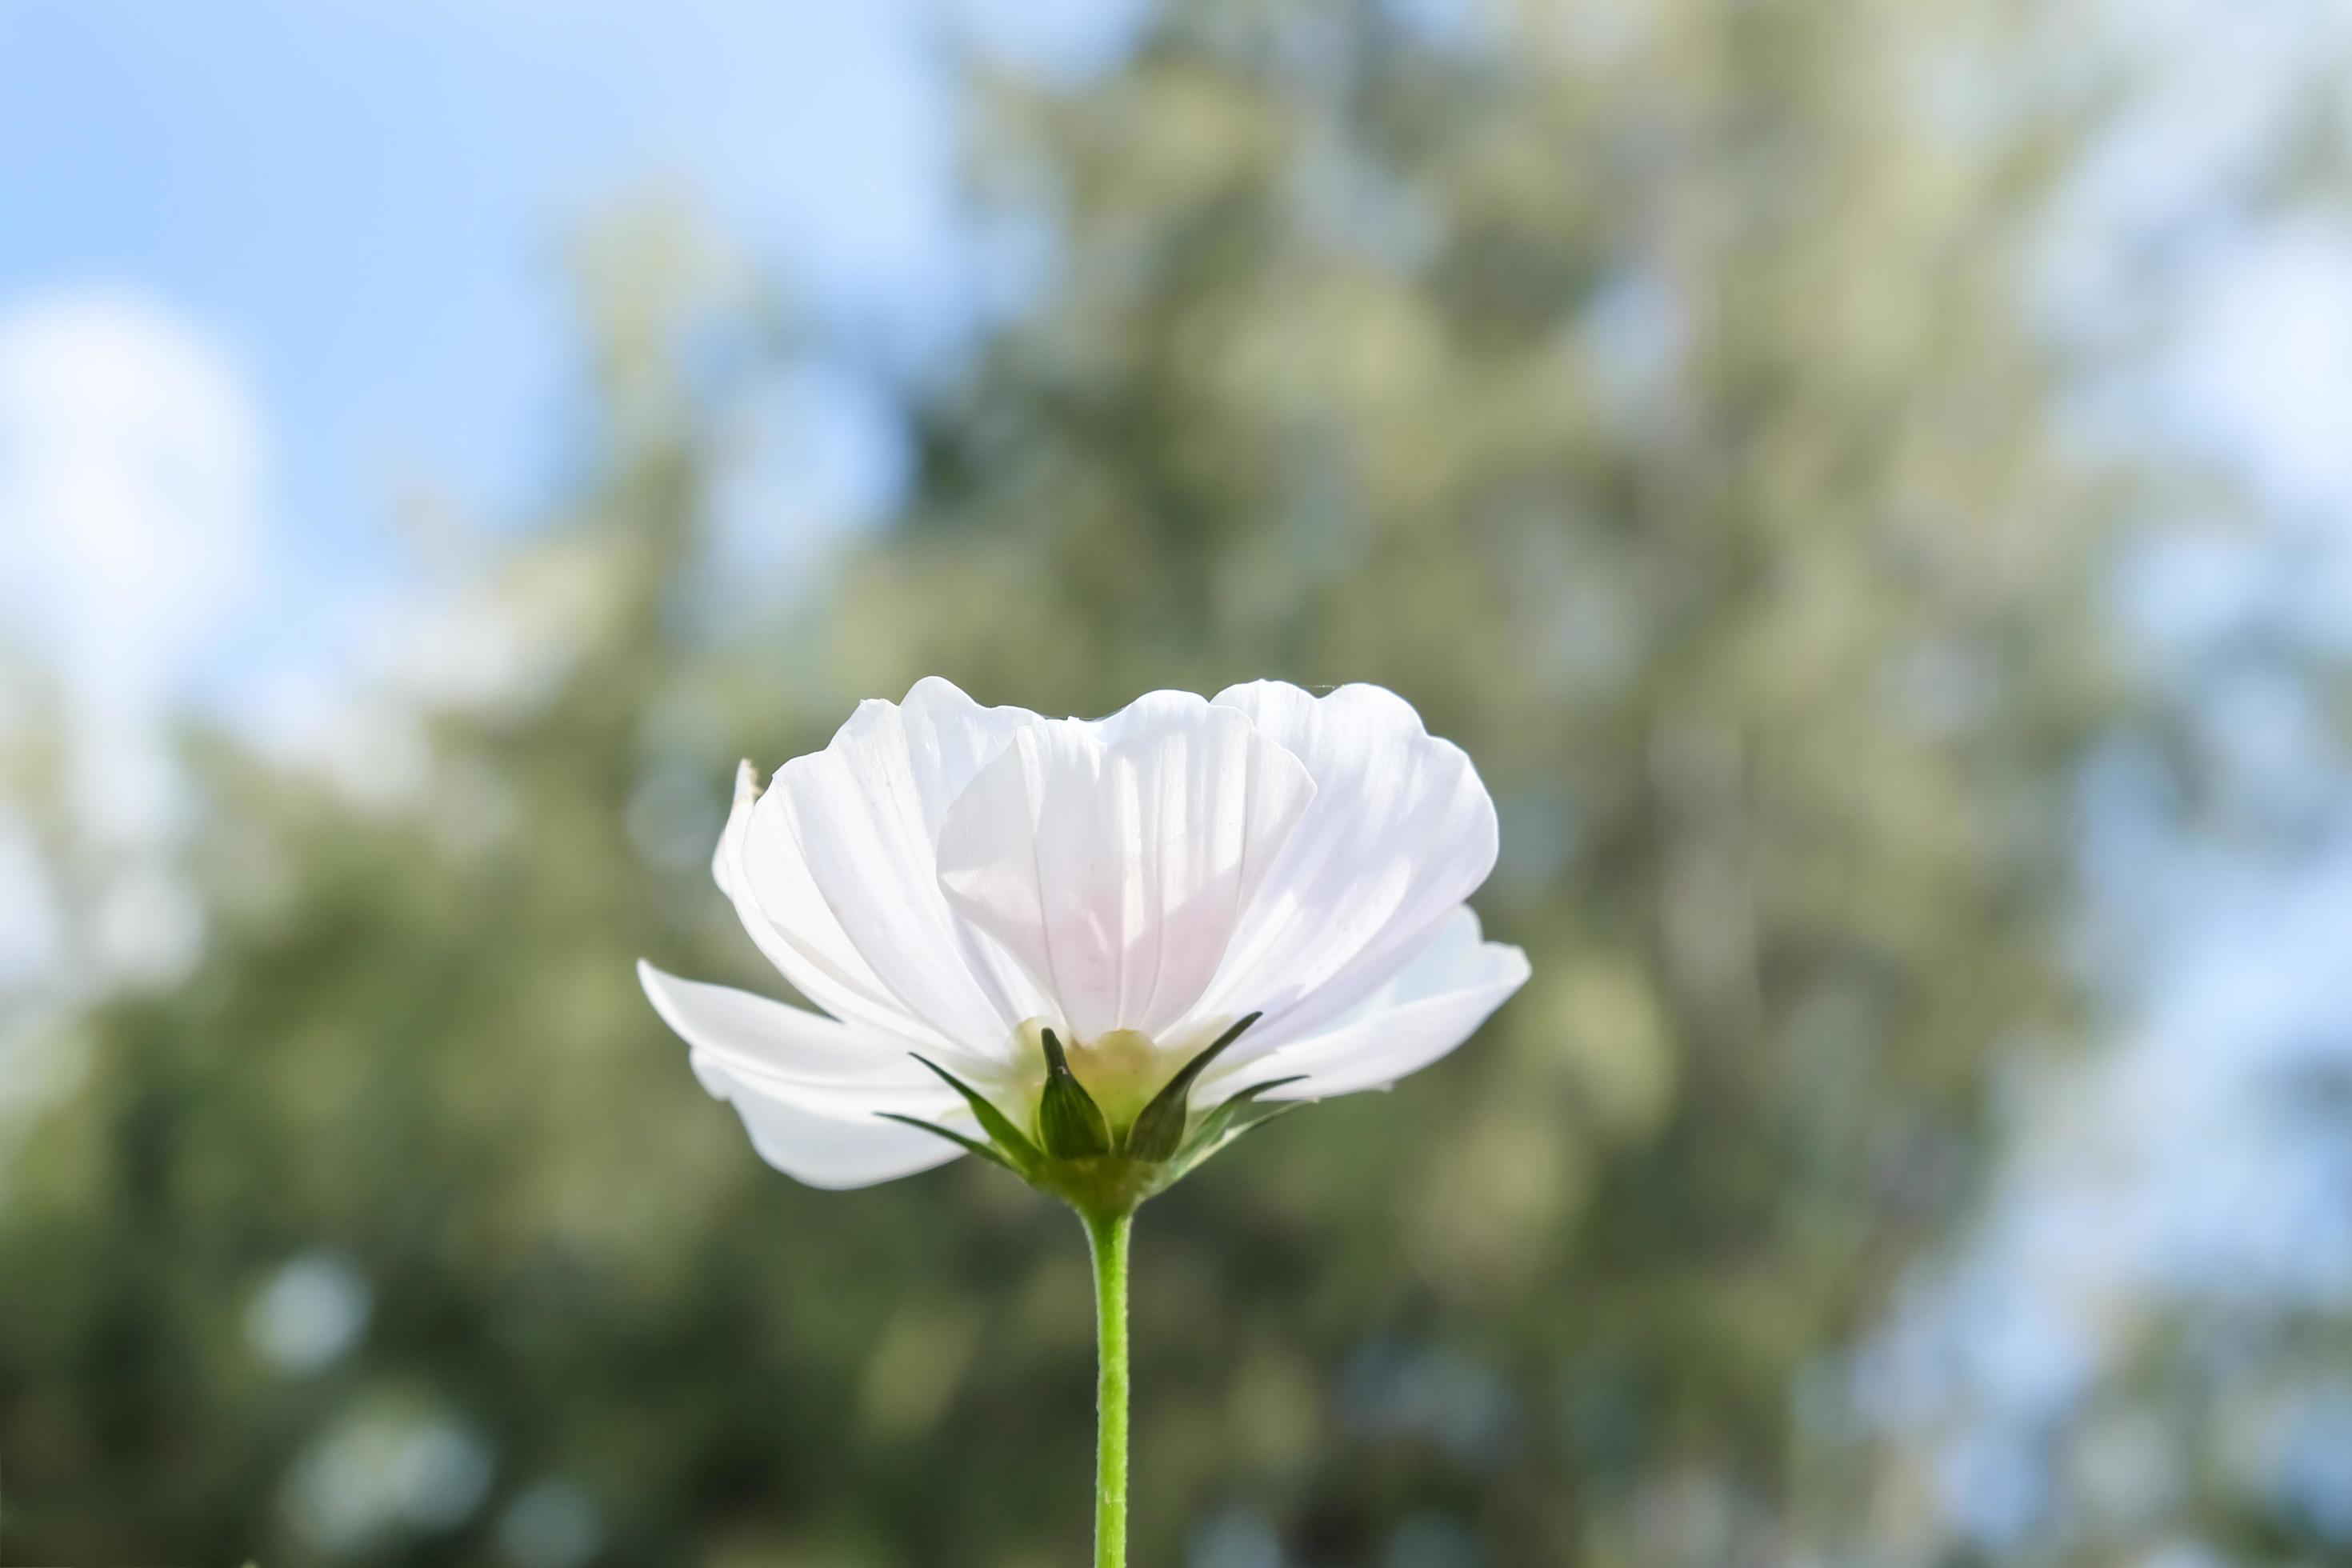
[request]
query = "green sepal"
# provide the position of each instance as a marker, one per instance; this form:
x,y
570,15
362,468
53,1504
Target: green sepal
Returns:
x,y
972,1145
1069,1123
1159,1129
1014,1144
1239,1114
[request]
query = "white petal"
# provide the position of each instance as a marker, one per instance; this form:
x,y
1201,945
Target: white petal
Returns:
x,y
1401,831
801,1056
809,1089
840,857
1114,860
803,941
837,1154
1433,1004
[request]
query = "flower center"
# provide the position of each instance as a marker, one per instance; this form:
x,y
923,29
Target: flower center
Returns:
x,y
1122,1069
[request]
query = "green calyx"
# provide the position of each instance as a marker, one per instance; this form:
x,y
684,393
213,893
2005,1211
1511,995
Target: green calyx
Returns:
x,y
1081,1156
1069,1123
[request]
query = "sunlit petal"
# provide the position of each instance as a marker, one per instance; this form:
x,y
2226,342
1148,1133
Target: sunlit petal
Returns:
x,y
830,1152
1430,1005
802,938
840,856
1401,831
802,1056
809,1089
1114,860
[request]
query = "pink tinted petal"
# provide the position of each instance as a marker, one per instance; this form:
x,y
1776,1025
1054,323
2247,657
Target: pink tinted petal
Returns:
x,y
1114,860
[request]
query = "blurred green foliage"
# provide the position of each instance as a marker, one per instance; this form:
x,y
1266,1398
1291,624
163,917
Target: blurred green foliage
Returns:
x,y
1643,392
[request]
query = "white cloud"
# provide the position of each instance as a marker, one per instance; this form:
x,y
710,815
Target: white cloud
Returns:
x,y
134,477
2268,365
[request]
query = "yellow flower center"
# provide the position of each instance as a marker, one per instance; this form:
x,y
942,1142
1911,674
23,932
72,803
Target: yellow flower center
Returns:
x,y
1122,1069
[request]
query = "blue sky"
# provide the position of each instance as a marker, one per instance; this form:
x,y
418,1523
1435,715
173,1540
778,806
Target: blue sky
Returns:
x,y
361,210
345,230
269,269
366,204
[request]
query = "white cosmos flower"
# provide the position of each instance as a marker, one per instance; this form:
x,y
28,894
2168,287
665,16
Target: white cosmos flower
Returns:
x,y
949,881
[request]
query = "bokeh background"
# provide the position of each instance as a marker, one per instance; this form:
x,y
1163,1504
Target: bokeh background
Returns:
x,y
1870,481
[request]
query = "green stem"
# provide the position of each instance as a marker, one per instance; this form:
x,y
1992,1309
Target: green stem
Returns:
x,y
1107,1234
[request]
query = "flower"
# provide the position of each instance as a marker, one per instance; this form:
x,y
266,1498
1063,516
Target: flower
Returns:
x,y
1093,951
